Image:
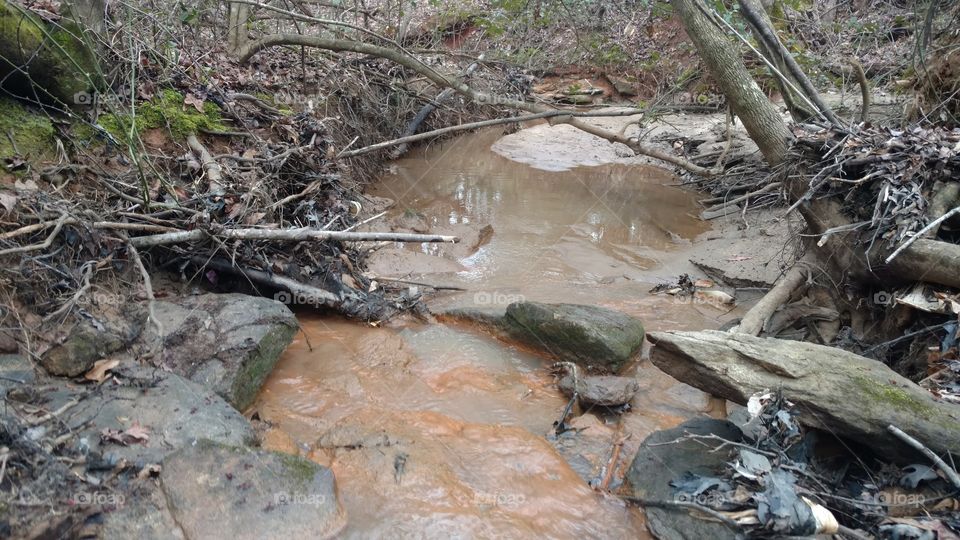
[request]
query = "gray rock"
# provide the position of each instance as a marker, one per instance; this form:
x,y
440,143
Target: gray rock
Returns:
x,y
227,342
144,515
624,86
834,390
590,336
603,390
216,491
597,338
657,464
88,341
15,371
174,412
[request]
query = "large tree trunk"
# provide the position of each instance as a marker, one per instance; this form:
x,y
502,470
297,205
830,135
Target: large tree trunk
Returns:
x,y
760,117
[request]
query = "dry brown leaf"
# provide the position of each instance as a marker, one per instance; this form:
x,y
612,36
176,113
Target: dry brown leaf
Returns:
x,y
197,102
134,434
703,283
98,373
8,200
254,218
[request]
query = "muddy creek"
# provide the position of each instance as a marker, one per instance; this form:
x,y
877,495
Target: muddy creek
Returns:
x,y
438,430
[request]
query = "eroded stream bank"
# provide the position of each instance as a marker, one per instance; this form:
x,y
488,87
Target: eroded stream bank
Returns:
x,y
439,427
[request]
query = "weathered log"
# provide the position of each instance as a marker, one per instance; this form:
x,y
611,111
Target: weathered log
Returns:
x,y
285,235
929,260
349,302
210,166
837,391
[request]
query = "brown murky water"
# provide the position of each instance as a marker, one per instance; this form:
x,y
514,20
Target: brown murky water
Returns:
x,y
439,431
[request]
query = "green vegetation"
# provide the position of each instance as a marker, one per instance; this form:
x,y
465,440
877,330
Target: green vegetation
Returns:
x,y
165,110
31,131
297,468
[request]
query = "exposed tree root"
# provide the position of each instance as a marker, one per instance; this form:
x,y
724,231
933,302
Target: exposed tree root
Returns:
x,y
755,319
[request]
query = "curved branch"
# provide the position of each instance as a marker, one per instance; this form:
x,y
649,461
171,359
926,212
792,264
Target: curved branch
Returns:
x,y
410,62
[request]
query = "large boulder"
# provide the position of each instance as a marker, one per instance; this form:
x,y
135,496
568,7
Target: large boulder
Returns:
x,y
834,390
591,336
597,338
215,491
665,457
227,342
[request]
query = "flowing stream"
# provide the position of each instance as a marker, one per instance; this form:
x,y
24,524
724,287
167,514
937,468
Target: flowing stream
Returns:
x,y
438,430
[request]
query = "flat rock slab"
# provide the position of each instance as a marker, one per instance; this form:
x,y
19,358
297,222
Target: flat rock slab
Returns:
x,y
597,338
656,464
834,390
216,491
227,342
603,390
173,411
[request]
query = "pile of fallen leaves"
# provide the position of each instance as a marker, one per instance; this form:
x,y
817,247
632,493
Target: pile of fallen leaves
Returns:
x,y
782,483
887,179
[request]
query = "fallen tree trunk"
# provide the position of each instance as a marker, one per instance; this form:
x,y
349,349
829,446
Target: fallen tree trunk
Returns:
x,y
836,391
285,235
348,302
928,260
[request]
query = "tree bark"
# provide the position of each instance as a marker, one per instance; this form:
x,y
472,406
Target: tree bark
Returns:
x,y
725,64
791,99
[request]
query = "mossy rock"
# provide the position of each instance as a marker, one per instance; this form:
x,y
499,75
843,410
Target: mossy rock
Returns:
x,y
59,65
597,338
32,131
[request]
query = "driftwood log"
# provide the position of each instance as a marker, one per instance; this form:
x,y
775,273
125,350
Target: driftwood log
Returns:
x,y
836,391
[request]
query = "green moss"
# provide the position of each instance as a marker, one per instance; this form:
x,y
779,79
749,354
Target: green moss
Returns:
x,y
57,60
32,131
255,371
888,395
298,469
166,110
